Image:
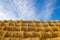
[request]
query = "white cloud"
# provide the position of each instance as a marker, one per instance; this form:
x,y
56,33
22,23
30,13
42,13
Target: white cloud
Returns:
x,y
25,9
17,9
6,10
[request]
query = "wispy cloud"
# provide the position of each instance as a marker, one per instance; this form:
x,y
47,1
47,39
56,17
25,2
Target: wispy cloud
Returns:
x,y
17,9
6,10
47,10
25,9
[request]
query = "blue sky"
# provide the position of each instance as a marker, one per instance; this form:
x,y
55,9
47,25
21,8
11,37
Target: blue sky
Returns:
x,y
30,9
